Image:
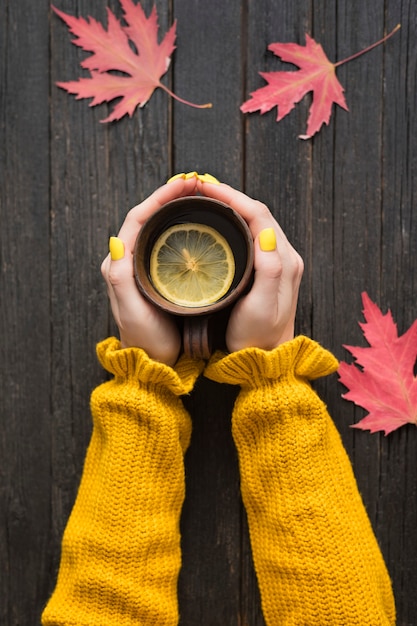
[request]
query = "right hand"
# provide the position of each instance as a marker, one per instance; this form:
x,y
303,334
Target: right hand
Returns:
x,y
140,324
265,317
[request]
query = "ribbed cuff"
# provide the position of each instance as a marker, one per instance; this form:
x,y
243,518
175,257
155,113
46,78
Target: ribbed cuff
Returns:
x,y
135,364
253,367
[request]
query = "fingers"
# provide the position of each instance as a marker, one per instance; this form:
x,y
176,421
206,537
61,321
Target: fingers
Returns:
x,y
278,273
116,271
140,325
265,316
136,217
255,213
261,222
117,267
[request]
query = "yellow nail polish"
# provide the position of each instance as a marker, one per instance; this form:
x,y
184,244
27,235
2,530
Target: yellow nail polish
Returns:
x,y
191,175
176,177
116,248
208,178
267,240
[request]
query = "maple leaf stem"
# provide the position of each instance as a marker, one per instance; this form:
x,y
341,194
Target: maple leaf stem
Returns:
x,y
208,105
374,45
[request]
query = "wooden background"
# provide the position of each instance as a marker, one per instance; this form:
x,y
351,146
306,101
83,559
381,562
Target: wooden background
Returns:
x,y
345,199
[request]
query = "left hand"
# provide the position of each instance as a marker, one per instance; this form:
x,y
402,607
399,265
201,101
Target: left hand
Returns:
x,y
140,323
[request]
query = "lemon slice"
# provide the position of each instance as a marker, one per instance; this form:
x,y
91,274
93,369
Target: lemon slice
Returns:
x,y
192,265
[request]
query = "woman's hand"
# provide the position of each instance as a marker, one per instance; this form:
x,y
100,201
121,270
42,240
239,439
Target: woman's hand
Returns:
x,y
265,317
140,323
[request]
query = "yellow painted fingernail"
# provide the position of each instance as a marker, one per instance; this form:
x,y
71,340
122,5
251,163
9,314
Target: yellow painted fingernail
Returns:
x,y
208,178
116,248
176,177
191,175
267,240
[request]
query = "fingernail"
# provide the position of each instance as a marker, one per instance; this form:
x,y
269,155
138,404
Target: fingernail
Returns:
x,y
208,178
176,177
267,240
116,248
191,175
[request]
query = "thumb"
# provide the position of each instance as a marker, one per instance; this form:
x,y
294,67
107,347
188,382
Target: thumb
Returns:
x,y
117,271
268,269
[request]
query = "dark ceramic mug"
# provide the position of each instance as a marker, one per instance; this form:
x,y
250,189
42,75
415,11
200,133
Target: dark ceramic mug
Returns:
x,y
199,322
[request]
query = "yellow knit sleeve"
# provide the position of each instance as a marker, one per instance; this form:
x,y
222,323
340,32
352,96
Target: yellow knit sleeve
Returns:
x,y
315,554
121,548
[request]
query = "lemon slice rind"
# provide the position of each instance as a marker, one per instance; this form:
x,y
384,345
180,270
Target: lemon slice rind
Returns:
x,y
192,265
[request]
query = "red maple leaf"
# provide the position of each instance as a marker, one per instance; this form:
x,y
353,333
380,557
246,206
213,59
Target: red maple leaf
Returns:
x,y
382,379
133,50
316,74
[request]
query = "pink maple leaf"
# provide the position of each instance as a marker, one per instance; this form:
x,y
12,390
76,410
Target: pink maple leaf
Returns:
x,y
382,379
140,66
316,74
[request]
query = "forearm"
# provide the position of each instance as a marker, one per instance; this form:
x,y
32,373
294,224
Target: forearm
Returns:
x,y
314,550
121,548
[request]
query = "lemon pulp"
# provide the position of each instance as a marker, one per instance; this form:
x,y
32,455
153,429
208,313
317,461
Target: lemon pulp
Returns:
x,y
192,265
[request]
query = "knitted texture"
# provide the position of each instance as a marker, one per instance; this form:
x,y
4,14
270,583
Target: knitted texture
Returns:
x,y
121,547
315,555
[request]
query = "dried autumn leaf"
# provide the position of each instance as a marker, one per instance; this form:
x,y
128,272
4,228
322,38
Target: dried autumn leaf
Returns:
x,y
133,50
316,74
382,379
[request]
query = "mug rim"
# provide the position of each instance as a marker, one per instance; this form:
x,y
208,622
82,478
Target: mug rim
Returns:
x,y
142,244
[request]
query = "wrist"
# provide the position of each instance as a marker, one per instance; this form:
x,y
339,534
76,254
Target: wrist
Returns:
x,y
258,335
162,352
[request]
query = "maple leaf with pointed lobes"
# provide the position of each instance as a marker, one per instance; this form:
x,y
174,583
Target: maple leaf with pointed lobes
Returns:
x,y
286,89
384,383
142,66
316,74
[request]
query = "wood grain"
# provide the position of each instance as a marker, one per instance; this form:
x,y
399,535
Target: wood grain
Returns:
x,y
346,200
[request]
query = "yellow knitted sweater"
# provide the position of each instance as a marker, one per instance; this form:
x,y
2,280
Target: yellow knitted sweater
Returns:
x,y
315,554
121,547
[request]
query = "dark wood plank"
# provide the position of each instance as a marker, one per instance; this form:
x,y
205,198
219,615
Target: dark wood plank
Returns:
x,y
277,172
398,288
25,309
208,67
338,208
99,171
374,223
345,199
210,525
353,210
277,169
